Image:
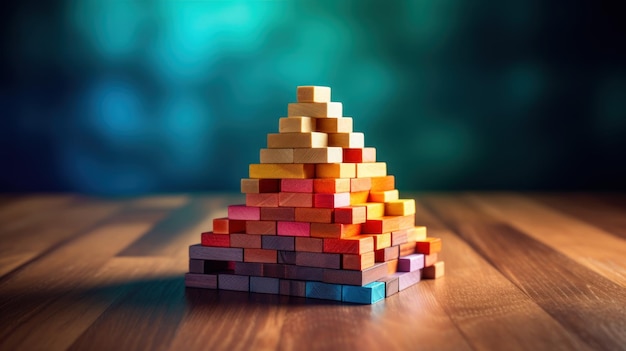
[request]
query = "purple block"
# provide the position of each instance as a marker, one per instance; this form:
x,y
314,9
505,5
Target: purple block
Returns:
x,y
410,263
408,279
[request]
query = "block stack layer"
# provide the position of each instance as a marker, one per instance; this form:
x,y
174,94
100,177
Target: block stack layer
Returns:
x,y
322,218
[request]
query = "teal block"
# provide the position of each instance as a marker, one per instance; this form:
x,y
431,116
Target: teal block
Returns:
x,y
368,294
318,290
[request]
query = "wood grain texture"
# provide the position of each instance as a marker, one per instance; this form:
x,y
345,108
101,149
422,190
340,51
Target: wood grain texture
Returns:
x,y
523,272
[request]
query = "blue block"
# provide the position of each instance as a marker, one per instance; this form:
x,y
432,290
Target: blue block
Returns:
x,y
318,290
368,294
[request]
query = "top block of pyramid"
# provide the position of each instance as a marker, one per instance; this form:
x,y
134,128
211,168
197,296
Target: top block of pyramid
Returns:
x,y
313,94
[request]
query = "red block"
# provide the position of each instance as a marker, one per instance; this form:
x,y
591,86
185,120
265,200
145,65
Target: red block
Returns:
x,y
277,213
351,214
296,185
262,199
244,212
331,200
331,186
215,240
429,246
385,224
357,245
294,228
228,226
360,155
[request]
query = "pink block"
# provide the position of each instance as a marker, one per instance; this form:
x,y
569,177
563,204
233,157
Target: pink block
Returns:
x,y
296,185
331,200
410,263
244,212
294,228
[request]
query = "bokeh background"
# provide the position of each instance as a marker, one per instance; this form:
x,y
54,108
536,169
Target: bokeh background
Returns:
x,y
126,97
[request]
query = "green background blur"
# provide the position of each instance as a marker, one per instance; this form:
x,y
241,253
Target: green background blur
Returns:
x,y
117,97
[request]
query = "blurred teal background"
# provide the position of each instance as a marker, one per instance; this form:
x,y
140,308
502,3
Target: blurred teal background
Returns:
x,y
119,97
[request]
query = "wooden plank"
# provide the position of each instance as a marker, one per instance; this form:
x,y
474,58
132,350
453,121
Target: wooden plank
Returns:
x,y
277,170
331,200
204,281
309,244
311,93
384,196
261,227
387,254
274,270
296,185
373,209
318,259
360,184
400,207
391,285
434,271
360,278
408,279
260,185
410,263
346,140
252,241
331,185
277,155
431,259
429,246
248,268
350,214
318,290
315,109
381,241
359,197
356,245
287,257
335,170
318,155
317,215
262,200
334,125
296,140
409,248
334,230
385,224
371,169
243,212
264,285
399,237
200,252
296,124
359,155
259,256
215,240
295,199
225,225
292,287
368,294
275,242
278,214
233,282
304,273
294,229
358,262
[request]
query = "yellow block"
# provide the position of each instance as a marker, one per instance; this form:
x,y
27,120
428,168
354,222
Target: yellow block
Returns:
x,y
318,155
374,209
313,93
384,196
371,169
417,234
358,197
347,140
334,125
400,207
276,155
381,241
280,171
335,170
315,109
296,140
296,124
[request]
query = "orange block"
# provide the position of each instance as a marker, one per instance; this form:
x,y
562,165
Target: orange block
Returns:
x,y
314,215
435,271
228,226
307,244
399,237
358,262
406,222
335,170
359,197
262,200
429,246
261,227
351,214
356,245
295,199
334,230
260,255
387,254
360,184
381,241
331,186
384,196
216,240
381,225
407,248
430,260
383,183
392,266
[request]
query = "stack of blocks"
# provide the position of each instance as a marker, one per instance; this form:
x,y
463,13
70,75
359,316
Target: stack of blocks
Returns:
x,y
322,218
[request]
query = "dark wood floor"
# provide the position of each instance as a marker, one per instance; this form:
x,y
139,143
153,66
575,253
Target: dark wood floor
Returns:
x,y
523,271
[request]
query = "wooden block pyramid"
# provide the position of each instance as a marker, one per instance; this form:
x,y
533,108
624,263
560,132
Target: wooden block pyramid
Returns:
x,y
322,218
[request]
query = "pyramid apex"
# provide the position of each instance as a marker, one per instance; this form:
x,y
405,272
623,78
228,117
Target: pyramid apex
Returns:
x,y
313,93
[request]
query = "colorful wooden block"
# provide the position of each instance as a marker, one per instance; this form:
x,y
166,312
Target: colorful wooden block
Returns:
x,y
313,94
385,224
331,185
292,287
318,155
276,156
410,263
384,196
197,266
296,185
391,285
262,200
359,197
331,200
233,282
243,212
315,109
360,278
210,266
261,227
318,259
316,215
274,270
359,155
350,214
200,252
387,254
304,273
399,237
371,169
383,183
406,222
392,266
358,262
408,279
249,268
294,228
286,257
334,230
368,294
203,281
429,246
278,214
281,170
318,290
228,226
309,244
360,184
260,255
435,271
295,199
401,207
249,186
356,245
407,248
245,241
346,140
264,285
216,240
334,125
335,170
418,233
430,260
296,140
277,242
296,124
381,241
373,209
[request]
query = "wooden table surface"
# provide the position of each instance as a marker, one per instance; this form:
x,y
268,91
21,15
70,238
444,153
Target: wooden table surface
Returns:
x,y
523,271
